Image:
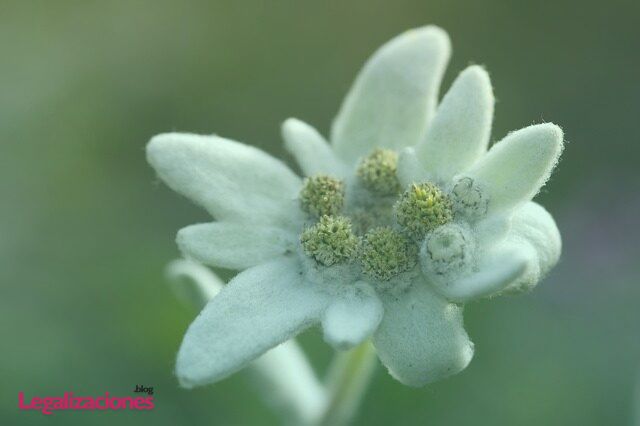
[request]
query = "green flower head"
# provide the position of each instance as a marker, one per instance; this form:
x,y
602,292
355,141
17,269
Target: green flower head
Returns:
x,y
386,253
322,195
422,208
330,241
378,172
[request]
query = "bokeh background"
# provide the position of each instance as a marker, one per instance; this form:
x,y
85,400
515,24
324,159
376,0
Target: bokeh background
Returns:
x,y
86,229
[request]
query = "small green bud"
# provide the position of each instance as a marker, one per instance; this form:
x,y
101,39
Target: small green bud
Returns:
x,y
330,241
322,195
422,208
468,200
385,253
378,172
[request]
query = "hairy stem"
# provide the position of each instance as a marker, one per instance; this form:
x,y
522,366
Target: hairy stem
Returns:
x,y
348,380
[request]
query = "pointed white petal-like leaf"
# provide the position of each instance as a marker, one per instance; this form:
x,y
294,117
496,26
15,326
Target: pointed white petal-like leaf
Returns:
x,y
394,95
514,169
352,317
494,276
531,239
536,232
409,168
233,181
533,223
492,230
311,151
459,132
259,309
282,373
421,338
233,245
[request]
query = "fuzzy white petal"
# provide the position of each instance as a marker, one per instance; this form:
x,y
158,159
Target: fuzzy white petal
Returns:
x,y
233,245
283,374
311,151
494,276
259,309
421,338
394,95
410,170
459,132
352,317
536,232
518,254
233,181
533,223
514,169
492,230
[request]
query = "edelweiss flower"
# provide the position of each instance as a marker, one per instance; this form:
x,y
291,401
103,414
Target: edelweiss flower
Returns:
x,y
402,218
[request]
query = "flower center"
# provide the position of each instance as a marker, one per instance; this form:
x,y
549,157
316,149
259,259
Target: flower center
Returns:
x,y
365,222
386,253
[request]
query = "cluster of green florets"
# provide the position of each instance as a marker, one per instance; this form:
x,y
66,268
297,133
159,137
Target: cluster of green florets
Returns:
x,y
364,231
330,241
422,208
322,195
378,172
385,253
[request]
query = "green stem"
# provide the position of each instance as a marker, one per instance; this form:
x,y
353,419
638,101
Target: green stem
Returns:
x,y
348,380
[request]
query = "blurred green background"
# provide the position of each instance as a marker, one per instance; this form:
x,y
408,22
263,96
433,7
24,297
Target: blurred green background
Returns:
x,y
86,229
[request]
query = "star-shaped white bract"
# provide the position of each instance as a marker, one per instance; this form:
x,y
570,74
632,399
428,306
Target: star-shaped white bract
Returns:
x,y
479,236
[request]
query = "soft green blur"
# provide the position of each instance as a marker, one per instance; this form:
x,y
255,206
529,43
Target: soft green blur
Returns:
x,y
86,229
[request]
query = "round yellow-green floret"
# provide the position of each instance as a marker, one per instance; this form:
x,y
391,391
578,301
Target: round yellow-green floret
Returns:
x,y
330,241
385,253
322,195
422,208
378,172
